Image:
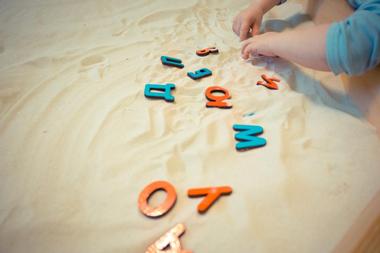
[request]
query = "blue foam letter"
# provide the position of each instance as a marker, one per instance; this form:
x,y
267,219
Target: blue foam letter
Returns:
x,y
199,73
170,61
164,88
247,136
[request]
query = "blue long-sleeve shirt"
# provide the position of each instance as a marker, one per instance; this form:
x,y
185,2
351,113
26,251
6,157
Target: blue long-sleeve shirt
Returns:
x,y
353,45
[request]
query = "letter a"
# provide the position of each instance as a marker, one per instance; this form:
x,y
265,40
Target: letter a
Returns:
x,y
164,88
169,243
247,136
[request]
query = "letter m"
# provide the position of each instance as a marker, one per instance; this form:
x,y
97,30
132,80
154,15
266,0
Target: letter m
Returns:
x,y
247,136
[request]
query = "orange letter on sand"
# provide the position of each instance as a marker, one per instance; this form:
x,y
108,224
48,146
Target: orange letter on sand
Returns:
x,y
164,207
169,243
217,101
211,193
269,82
206,51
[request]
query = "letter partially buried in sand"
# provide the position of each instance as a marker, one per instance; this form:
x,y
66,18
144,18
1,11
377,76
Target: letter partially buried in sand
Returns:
x,y
211,194
162,209
162,91
217,101
169,243
247,137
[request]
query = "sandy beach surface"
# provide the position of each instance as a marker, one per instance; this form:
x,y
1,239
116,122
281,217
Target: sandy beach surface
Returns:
x,y
79,141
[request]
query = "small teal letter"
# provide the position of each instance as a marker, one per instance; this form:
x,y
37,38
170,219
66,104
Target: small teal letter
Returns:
x,y
165,91
199,73
170,61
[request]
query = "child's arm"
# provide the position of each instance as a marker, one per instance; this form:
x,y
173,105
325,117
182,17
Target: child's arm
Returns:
x,y
351,46
305,46
251,17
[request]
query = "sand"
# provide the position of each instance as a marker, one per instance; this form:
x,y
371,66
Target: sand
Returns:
x,y
79,141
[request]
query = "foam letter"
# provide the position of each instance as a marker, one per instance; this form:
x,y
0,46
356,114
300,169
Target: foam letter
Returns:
x,y
247,136
212,194
162,209
165,88
199,73
169,243
217,101
269,82
170,61
207,51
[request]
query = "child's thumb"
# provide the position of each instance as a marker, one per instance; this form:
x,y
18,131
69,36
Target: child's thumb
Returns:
x,y
244,29
256,28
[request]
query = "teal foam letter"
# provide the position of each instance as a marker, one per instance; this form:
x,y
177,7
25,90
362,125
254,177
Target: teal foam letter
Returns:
x,y
165,91
247,136
199,73
170,61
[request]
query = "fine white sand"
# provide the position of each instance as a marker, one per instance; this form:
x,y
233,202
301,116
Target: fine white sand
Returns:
x,y
79,141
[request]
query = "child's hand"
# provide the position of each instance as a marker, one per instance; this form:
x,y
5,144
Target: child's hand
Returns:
x,y
246,20
305,46
259,45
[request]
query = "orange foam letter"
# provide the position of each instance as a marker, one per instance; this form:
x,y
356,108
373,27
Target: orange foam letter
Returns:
x,y
217,101
207,51
269,82
169,243
212,194
162,209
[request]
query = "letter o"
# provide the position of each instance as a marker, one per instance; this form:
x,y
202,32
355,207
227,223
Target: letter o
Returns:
x,y
163,208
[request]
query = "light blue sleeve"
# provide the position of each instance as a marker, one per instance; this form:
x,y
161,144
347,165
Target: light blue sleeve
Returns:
x,y
353,45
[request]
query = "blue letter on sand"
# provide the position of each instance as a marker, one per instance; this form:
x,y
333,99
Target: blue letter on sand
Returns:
x,y
164,88
247,136
199,73
170,61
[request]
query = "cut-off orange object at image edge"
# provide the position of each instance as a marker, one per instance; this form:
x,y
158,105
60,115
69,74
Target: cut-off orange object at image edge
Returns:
x,y
169,242
163,208
212,194
217,101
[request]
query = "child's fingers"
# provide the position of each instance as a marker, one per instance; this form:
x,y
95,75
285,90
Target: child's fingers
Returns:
x,y
249,50
238,27
235,26
245,44
244,54
244,29
256,28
